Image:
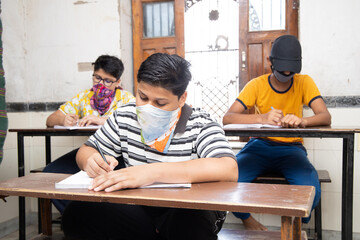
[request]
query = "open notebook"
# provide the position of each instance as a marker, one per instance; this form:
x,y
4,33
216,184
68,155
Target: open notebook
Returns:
x,y
82,180
255,125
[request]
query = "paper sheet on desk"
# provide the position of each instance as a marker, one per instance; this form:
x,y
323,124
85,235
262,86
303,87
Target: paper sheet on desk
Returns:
x,y
81,180
78,180
77,127
255,125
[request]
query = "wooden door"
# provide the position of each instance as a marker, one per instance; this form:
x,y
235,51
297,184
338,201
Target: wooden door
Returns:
x,y
255,41
158,26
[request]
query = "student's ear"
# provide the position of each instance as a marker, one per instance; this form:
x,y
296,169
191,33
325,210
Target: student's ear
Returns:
x,y
117,83
182,99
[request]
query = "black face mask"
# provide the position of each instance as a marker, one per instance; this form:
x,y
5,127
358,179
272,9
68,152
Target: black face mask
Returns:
x,y
282,77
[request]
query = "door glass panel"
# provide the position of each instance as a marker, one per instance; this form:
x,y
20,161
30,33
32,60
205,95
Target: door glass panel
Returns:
x,y
158,19
212,48
265,15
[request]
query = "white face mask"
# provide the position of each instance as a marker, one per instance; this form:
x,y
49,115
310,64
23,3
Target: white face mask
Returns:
x,y
154,121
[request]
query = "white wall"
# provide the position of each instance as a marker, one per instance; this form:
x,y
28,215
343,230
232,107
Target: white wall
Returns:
x,y
44,40
328,31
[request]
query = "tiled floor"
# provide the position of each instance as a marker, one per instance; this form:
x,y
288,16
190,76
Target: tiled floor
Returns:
x,y
32,233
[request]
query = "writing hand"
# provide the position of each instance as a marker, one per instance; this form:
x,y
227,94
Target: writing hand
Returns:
x,y
70,119
96,165
272,117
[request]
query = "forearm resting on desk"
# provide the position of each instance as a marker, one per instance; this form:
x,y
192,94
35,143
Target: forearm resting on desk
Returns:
x,y
321,115
56,118
236,115
192,171
59,118
321,119
231,118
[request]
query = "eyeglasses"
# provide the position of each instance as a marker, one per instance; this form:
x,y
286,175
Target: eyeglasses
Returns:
x,y
107,82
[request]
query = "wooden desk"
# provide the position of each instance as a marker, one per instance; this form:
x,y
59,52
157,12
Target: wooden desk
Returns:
x,y
346,133
47,133
289,201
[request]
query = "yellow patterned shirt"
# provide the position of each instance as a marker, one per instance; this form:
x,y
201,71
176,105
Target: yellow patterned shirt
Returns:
x,y
80,104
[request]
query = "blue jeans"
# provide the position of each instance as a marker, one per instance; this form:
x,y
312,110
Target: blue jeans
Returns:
x,y
261,156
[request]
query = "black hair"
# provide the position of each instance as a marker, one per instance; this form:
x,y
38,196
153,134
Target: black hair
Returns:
x,y
167,71
110,64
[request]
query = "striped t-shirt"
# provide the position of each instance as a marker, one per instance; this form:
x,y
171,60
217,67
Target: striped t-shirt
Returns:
x,y
196,136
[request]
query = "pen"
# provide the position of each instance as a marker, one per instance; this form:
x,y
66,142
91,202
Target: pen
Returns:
x,y
101,153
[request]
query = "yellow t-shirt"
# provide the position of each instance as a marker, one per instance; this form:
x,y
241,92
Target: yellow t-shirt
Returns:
x,y
80,104
260,93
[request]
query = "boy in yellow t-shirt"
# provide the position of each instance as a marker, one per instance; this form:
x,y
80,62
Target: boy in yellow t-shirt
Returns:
x,y
279,98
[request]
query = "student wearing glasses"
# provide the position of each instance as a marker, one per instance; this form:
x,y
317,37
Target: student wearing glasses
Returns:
x,y
90,107
95,105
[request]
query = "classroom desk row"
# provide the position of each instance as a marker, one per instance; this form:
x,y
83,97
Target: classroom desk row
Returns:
x,y
290,202
347,134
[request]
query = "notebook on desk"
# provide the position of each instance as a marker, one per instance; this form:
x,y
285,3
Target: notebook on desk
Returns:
x,y
77,127
81,180
255,125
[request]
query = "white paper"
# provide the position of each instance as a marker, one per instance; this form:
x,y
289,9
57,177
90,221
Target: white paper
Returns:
x,y
77,127
82,181
78,180
255,125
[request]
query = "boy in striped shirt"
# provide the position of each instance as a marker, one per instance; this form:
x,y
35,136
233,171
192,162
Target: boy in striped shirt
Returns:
x,y
161,139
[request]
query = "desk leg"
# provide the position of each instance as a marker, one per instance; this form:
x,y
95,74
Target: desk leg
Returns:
x,y
290,228
45,209
347,188
47,149
286,228
297,228
48,160
21,172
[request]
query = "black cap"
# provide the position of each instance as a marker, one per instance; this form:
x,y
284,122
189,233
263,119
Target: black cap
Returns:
x,y
286,54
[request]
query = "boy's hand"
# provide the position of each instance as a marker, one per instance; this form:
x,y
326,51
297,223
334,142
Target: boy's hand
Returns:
x,y
292,121
70,119
96,165
131,177
273,117
91,119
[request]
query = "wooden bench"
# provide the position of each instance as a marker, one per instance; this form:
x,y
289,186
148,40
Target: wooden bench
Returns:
x,y
324,177
288,201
